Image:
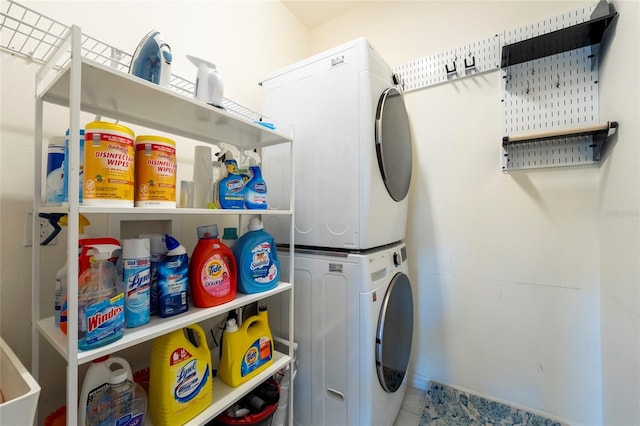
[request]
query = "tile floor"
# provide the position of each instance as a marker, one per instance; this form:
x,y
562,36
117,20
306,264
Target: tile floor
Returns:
x,y
411,409
441,405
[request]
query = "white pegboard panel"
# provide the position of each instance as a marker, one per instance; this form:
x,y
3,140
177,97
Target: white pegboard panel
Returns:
x,y
555,92
474,58
437,69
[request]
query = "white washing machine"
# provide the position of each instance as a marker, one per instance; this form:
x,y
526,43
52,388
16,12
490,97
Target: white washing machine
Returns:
x,y
352,148
353,326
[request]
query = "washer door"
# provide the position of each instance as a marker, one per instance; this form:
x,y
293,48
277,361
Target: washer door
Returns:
x,y
395,330
393,143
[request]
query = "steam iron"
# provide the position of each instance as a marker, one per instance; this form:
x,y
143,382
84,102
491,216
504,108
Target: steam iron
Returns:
x,y
152,60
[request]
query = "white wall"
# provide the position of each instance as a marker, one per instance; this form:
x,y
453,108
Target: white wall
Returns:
x,y
620,223
507,267
245,39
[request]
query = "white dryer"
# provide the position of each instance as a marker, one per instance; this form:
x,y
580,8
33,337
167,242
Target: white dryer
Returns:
x,y
353,326
352,149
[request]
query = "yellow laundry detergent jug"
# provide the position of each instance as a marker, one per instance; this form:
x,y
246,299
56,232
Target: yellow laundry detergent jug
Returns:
x,y
180,383
246,350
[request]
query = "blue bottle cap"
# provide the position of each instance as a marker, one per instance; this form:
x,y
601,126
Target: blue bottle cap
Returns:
x,y
171,242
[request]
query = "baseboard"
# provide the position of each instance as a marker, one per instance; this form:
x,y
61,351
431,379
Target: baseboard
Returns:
x,y
417,381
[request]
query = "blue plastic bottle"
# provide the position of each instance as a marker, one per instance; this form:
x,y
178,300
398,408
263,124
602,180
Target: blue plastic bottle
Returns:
x,y
100,300
231,188
255,195
257,259
136,264
66,165
173,279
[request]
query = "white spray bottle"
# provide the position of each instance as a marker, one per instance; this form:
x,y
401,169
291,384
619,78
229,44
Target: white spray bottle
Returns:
x,y
209,87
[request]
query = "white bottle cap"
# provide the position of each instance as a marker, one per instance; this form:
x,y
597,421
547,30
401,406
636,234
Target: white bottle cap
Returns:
x,y
103,251
135,248
231,325
118,376
255,224
97,255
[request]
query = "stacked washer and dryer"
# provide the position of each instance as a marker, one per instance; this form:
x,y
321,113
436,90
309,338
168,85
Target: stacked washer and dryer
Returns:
x,y
352,295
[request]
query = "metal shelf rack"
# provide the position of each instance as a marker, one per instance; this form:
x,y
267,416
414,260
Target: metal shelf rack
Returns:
x,y
550,93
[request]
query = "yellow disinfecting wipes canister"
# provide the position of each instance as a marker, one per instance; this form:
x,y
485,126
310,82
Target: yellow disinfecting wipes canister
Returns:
x,y
155,184
108,165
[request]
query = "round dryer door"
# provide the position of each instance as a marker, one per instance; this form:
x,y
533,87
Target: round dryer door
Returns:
x,y
393,143
395,330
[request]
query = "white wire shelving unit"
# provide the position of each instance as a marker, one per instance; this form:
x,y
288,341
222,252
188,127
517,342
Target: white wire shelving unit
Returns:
x,y
27,33
74,56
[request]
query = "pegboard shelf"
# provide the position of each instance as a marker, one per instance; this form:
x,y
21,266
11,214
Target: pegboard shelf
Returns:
x,y
568,147
563,40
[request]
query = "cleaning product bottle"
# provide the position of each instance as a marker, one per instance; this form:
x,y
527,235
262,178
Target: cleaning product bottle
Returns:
x,y
180,384
136,260
85,247
158,252
255,193
60,297
173,279
100,300
94,408
60,293
212,271
246,350
229,237
231,187
257,257
128,399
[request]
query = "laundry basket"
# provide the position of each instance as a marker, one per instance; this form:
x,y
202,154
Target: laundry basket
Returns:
x,y
19,389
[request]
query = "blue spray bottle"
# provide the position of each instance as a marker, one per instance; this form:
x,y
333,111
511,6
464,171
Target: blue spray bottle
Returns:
x,y
231,188
255,195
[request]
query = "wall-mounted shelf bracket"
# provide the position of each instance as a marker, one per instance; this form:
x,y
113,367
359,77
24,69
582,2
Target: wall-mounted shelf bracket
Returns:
x,y
569,147
577,36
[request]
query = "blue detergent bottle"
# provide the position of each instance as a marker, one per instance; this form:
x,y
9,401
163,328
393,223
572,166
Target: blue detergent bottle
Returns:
x,y
257,259
231,188
173,279
255,195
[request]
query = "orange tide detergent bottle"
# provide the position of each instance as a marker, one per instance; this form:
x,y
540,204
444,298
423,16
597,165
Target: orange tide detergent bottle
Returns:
x,y
212,270
180,380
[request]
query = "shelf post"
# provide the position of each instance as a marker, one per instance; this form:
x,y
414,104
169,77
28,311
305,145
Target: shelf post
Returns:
x,y
73,223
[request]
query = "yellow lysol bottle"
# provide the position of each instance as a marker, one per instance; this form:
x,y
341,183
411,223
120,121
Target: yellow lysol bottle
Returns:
x,y
246,350
180,381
